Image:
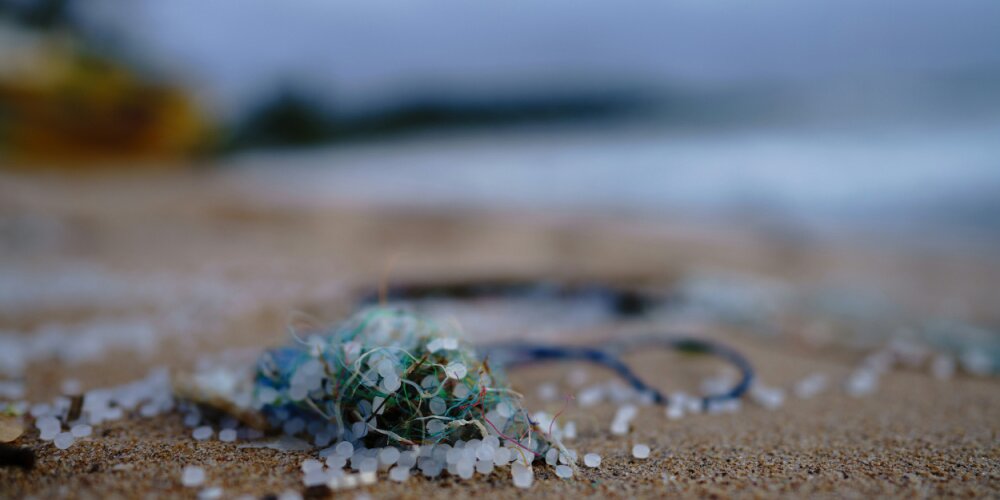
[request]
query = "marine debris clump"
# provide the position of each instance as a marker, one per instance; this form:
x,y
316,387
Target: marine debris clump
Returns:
x,y
387,377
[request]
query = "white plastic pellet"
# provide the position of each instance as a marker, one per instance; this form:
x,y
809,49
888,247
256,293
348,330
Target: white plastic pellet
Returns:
x,y
456,370
311,464
501,456
434,426
388,456
465,468
552,456
63,440
192,476
344,449
619,427
861,383
484,466
210,493
523,476
81,430
626,413
770,398
50,424
640,451
592,460
438,406
399,474
564,471
315,477
202,433
368,465
810,386
336,461
569,431
675,412
391,383
227,435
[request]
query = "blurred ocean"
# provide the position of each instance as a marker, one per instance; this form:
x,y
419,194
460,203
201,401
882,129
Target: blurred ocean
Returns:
x,y
905,178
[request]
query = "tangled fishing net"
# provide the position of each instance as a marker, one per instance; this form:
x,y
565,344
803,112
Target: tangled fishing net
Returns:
x,y
387,377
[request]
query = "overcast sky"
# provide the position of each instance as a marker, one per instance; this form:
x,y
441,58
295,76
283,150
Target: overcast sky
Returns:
x,y
368,49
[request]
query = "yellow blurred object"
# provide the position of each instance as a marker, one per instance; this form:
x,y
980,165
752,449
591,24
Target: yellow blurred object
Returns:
x,y
11,428
67,108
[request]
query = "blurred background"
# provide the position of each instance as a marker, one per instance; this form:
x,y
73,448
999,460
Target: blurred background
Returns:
x,y
235,155
869,112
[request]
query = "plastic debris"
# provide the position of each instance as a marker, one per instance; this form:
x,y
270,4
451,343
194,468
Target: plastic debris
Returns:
x,y
210,493
770,398
392,374
810,386
202,433
63,440
564,471
623,416
399,474
861,383
592,460
81,430
227,435
522,475
192,476
640,451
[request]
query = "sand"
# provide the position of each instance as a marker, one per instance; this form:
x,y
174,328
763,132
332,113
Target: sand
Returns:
x,y
916,436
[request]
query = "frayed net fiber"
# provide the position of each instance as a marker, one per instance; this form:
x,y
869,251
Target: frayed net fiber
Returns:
x,y
390,377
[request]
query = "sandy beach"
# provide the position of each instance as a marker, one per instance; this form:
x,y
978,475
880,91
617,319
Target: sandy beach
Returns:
x,y
247,265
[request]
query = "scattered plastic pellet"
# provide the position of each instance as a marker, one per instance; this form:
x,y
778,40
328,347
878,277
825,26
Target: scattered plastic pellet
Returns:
x,y
438,406
227,435
861,383
456,370
770,398
810,386
202,433
63,440
192,476
564,471
592,460
344,449
388,456
210,493
552,456
81,430
368,465
315,477
311,464
523,476
50,424
640,451
399,473
569,431
367,477
484,466
675,411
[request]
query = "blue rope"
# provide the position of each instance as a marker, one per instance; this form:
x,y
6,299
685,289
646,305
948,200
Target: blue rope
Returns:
x,y
621,302
517,354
